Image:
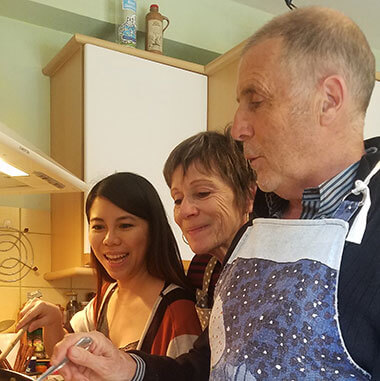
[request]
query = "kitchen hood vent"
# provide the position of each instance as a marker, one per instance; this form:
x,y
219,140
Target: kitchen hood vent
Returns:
x,y
44,175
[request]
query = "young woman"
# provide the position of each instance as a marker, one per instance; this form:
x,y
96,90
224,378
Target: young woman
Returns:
x,y
142,301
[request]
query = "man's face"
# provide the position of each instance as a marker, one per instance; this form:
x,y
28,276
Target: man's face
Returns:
x,y
275,126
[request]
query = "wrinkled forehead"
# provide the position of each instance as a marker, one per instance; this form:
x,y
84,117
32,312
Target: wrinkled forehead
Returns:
x,y
261,67
208,168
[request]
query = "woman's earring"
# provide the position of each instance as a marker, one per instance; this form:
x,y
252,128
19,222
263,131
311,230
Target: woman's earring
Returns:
x,y
184,239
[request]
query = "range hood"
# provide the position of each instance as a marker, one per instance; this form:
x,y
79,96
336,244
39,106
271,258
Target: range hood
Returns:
x,y
41,173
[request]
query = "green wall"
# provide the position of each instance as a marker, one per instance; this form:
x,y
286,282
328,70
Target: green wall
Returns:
x,y
24,90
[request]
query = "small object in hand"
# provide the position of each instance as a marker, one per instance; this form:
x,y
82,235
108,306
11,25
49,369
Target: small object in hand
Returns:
x,y
84,343
12,343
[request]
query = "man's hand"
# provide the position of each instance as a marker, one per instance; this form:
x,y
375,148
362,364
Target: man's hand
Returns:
x,y
101,362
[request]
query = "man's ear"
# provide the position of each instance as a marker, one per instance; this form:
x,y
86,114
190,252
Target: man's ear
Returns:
x,y
333,96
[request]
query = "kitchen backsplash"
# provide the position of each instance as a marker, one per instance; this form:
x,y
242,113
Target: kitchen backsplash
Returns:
x,y
13,295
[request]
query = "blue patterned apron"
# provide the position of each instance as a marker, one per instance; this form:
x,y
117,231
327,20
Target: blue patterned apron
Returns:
x,y
275,313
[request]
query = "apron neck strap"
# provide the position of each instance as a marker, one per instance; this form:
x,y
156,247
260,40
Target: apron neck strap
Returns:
x,y
359,224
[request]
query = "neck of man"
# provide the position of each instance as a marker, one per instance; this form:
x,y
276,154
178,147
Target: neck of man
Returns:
x,y
293,210
324,172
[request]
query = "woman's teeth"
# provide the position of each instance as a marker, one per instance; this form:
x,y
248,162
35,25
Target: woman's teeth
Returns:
x,y
115,258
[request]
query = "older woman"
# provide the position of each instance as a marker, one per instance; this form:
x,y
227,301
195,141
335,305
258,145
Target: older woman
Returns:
x,y
212,187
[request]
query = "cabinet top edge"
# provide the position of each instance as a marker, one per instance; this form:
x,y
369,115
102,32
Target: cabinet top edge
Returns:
x,y
78,40
225,59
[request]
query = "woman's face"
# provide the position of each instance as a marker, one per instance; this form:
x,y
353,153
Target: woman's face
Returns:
x,y
118,239
205,210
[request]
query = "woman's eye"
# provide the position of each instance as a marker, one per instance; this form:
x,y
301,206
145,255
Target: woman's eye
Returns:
x,y
125,226
177,201
203,194
97,227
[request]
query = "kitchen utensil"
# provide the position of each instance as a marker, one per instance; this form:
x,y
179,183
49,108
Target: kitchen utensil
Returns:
x,y
5,324
84,343
16,254
12,343
10,375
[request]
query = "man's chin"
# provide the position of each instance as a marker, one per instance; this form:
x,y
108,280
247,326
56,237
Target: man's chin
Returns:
x,y
265,185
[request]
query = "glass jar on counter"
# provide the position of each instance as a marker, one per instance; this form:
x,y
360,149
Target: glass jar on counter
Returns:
x,y
72,306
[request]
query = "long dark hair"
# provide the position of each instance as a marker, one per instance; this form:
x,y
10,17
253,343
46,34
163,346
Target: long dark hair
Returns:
x,y
137,196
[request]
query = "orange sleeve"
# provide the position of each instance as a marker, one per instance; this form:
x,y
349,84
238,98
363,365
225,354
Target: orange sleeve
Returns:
x,y
179,329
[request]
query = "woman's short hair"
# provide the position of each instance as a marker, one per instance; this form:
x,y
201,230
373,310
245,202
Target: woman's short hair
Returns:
x,y
217,153
136,195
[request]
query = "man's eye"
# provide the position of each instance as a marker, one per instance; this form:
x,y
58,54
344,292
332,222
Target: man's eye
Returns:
x,y
255,105
177,201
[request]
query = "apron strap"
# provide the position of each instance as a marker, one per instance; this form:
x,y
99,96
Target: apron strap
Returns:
x,y
358,227
208,274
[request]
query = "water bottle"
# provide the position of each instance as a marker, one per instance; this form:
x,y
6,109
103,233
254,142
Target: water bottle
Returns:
x,y
125,22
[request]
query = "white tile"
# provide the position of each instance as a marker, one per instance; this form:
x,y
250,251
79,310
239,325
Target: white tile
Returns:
x,y
36,221
84,282
10,303
13,248
10,217
40,245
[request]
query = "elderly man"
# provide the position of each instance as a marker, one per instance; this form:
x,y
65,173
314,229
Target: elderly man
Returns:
x,y
299,297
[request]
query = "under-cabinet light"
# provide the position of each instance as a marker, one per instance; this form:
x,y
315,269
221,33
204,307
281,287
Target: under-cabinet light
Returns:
x,y
10,170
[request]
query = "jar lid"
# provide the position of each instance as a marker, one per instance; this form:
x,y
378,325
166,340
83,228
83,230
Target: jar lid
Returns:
x,y
154,6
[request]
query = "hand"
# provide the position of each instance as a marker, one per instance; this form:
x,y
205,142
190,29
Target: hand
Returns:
x,y
101,362
37,313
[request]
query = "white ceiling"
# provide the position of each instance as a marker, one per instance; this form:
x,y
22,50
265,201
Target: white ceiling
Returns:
x,y
364,12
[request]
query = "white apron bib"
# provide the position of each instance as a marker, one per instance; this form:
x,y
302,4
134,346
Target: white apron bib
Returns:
x,y
275,313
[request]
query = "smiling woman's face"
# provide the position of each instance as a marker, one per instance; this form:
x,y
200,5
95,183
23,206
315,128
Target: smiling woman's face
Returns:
x,y
206,211
118,239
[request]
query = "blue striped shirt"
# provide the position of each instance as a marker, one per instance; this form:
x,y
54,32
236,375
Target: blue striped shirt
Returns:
x,y
321,201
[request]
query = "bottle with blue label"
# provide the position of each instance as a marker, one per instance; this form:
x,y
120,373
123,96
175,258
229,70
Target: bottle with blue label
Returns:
x,y
125,22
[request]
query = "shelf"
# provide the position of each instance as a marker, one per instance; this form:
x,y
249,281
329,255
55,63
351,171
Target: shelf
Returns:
x,y
78,40
84,271
68,273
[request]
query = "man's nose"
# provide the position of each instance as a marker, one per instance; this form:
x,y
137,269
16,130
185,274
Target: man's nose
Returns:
x,y
241,127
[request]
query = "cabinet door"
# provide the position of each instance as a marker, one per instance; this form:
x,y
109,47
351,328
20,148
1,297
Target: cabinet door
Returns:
x,y
135,112
372,120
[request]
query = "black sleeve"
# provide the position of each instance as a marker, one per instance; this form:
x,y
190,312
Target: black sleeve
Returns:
x,y
191,366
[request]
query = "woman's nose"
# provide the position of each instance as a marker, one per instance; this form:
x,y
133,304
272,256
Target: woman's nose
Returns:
x,y
111,238
188,207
